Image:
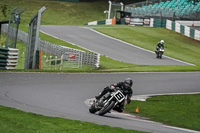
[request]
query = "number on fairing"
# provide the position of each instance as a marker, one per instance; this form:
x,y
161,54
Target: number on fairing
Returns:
x,y
119,96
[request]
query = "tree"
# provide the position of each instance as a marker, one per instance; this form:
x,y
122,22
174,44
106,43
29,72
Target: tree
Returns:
x,y
3,9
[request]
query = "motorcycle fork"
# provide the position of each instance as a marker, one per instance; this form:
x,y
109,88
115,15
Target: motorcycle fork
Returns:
x,y
116,104
108,100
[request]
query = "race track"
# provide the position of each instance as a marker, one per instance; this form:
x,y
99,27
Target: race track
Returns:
x,y
64,95
105,45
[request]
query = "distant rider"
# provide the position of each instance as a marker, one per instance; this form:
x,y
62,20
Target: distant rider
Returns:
x,y
160,45
125,88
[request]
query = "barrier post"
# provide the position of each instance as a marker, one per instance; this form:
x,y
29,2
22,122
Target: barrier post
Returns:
x,y
113,21
40,57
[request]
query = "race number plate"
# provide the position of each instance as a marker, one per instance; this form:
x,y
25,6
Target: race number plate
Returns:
x,y
119,96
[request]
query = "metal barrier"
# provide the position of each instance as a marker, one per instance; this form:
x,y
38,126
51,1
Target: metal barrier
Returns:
x,y
12,31
68,60
8,58
92,59
185,30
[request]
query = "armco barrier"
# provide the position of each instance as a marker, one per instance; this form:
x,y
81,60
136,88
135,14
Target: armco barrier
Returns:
x,y
192,32
182,29
108,21
185,30
159,23
92,59
102,22
8,58
177,27
197,35
168,25
173,26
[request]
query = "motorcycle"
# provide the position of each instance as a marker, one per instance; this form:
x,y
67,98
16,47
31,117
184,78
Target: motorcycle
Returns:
x,y
107,102
160,52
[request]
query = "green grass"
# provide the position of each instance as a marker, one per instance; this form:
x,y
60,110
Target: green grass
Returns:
x,y
16,121
22,54
176,110
57,12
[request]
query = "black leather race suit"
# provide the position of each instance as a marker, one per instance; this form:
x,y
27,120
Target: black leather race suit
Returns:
x,y
159,45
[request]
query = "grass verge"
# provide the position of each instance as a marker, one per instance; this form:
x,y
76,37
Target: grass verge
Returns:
x,y
176,110
13,120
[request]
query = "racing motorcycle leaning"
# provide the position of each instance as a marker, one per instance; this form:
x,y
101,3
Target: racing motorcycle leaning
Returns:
x,y
107,102
160,52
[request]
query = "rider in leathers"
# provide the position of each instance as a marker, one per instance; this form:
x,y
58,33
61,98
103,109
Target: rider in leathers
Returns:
x,y
126,90
159,45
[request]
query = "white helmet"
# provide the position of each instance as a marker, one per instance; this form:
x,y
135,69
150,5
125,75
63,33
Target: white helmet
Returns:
x,y
162,41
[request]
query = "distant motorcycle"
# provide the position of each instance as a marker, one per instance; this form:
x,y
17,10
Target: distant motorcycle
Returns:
x,y
160,52
107,102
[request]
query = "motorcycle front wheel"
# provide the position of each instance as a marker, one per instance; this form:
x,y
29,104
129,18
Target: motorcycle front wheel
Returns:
x,y
160,55
92,109
106,108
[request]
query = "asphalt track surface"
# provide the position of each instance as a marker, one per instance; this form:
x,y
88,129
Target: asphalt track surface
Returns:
x,y
64,95
105,45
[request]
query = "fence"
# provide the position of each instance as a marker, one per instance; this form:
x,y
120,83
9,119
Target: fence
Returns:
x,y
185,30
102,22
69,60
177,27
92,59
13,26
57,50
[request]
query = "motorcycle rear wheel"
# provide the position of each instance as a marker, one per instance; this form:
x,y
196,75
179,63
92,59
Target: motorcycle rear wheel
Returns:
x,y
107,108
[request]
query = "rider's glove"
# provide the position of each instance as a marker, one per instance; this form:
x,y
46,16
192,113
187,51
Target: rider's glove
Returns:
x,y
112,87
